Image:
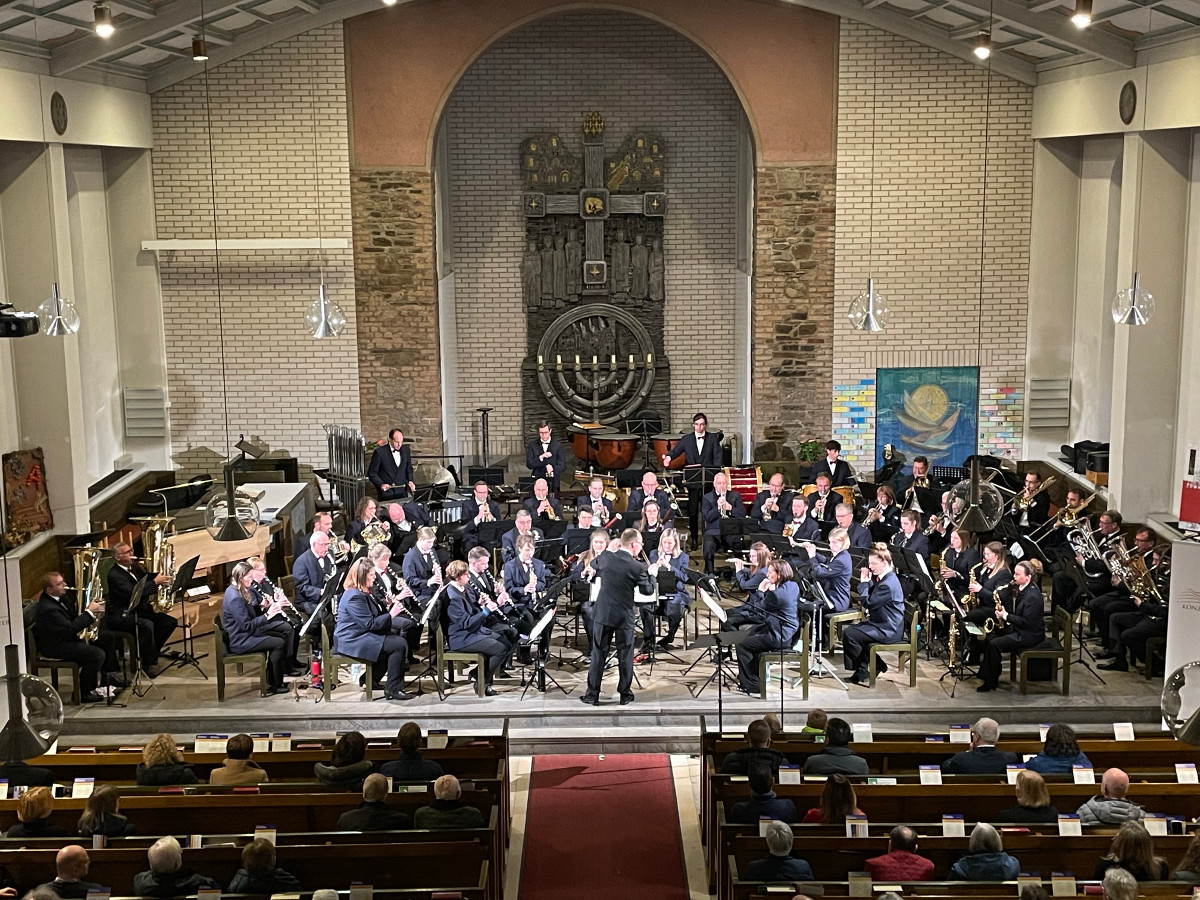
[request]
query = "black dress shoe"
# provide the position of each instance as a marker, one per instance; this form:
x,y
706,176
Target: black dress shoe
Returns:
x,y
396,695
118,681
984,688
860,678
627,699
1117,665
665,644
279,689
1105,654
880,666
93,697
590,701
296,671
489,691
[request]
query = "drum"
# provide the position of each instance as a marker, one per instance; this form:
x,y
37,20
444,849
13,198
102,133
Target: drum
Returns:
x,y
584,449
663,444
614,451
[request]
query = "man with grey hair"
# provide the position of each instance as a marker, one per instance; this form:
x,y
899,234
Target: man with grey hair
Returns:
x,y
985,859
983,758
1110,807
151,629
1118,884
447,809
374,813
167,877
780,865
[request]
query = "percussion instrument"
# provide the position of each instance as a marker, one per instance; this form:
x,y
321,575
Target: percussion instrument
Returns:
x,y
615,450
581,445
663,443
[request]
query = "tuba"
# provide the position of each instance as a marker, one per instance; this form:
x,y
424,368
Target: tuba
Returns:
x,y
87,572
160,556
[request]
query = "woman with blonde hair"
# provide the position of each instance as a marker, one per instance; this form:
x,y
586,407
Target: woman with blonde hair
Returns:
x,y
672,603
33,816
1033,801
163,764
364,633
883,601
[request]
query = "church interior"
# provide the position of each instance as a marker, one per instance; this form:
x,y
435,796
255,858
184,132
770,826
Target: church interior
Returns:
x,y
333,332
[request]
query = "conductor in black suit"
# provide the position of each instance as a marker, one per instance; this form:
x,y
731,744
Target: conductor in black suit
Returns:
x,y
621,574
545,457
391,468
832,465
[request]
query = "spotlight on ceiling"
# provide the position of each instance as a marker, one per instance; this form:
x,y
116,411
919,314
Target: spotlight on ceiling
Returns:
x,y
983,45
199,49
389,2
1083,13
102,16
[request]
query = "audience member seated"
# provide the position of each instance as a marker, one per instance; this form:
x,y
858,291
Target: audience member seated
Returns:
x,y
763,804
1060,753
983,758
71,866
1033,892
166,876
985,859
33,816
780,865
838,800
837,756
901,862
348,764
100,814
1132,849
1189,867
773,723
238,767
816,722
1119,885
740,761
19,772
1033,802
447,809
373,814
163,764
1110,807
258,874
410,766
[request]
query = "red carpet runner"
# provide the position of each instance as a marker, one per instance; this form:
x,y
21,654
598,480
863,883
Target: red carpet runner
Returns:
x,y
602,828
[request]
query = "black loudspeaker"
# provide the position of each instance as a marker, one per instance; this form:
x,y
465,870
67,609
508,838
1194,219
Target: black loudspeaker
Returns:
x,y
1097,461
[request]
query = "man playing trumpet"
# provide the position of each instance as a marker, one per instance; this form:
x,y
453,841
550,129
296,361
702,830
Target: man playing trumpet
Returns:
x,y
771,505
541,505
719,503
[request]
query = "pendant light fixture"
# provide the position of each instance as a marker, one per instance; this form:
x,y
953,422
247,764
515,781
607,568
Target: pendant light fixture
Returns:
x,y
102,21
57,315
1082,17
1134,305
323,318
983,45
977,505
869,310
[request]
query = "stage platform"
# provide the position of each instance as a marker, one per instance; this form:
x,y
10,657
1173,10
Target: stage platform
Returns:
x,y
664,717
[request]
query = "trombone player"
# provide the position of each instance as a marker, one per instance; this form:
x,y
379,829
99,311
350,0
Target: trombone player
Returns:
x,y
58,631
151,628
1030,509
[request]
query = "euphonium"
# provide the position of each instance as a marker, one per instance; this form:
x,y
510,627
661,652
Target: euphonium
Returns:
x,y
164,600
89,563
1083,540
789,530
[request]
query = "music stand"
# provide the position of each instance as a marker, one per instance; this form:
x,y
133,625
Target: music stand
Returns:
x,y
135,600
433,665
958,617
549,550
577,540
429,492
540,675
869,492
183,577
720,640
489,475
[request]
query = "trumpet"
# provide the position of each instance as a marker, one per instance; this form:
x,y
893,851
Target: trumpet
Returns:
x,y
546,508
819,507
769,508
485,512
723,507
874,514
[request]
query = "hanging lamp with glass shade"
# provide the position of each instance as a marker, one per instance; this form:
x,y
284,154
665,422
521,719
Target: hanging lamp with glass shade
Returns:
x,y
324,317
1134,305
58,315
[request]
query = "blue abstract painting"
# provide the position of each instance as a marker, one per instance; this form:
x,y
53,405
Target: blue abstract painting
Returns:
x,y
927,411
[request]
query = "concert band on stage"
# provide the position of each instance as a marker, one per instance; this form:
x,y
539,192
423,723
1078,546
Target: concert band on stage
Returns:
x,y
397,588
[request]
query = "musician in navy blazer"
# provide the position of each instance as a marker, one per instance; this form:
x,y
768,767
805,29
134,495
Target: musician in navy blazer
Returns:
x,y
711,511
476,510
749,579
884,606
832,572
700,448
508,543
391,469
832,465
649,490
363,633
779,625
310,570
466,626
545,457
517,573
540,505
254,630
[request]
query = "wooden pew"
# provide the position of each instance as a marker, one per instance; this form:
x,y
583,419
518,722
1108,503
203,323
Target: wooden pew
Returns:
x,y
832,857
446,865
948,890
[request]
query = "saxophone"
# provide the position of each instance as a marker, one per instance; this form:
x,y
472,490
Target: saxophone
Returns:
x,y
972,599
953,637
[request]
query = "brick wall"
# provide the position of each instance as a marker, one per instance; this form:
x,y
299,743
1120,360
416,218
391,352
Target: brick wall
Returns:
x,y
928,184
282,385
544,78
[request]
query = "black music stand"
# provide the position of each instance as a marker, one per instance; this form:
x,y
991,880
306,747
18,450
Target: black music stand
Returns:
x,y
178,588
426,493
433,612
818,667
698,581
721,640
489,475
135,600
549,550
697,480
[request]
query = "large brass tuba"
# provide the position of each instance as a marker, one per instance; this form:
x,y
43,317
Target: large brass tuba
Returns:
x,y
160,556
87,579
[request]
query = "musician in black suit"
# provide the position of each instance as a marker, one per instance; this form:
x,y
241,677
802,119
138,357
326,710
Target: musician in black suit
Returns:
x,y
883,519
860,537
601,506
719,503
771,504
540,505
648,490
476,510
803,526
918,478
958,560
910,536
57,628
823,501
391,469
1030,509
1020,629
466,626
698,448
152,629
322,521
545,457
508,543
832,465
310,571
402,521
621,575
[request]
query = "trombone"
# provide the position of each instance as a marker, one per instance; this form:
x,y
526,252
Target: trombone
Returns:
x,y
1064,516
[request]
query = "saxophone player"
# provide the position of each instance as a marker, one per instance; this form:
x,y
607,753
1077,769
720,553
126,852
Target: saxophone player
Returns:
x,y
57,627
1023,627
151,629
541,506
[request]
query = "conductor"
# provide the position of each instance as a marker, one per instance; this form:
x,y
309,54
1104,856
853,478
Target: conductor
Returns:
x,y
620,574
